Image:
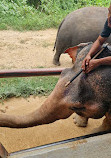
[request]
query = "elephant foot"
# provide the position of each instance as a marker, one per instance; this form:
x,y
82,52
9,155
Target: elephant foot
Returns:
x,y
80,121
56,62
106,126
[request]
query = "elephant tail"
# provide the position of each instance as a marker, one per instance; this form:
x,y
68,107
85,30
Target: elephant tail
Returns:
x,y
58,33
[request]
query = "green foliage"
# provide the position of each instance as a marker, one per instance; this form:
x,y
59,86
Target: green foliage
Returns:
x,y
39,14
34,3
24,87
15,8
99,2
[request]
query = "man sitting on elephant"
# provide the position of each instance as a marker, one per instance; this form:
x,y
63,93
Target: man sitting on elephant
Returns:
x,y
89,64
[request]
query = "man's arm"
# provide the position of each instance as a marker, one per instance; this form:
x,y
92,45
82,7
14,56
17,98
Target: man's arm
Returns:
x,y
105,61
96,46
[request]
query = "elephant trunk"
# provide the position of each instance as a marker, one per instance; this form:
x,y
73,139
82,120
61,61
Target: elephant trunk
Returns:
x,y
44,115
35,118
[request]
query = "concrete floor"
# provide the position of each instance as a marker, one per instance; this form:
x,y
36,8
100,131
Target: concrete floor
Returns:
x,y
93,147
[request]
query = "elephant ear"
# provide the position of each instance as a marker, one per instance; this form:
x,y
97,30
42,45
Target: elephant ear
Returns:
x,y
72,51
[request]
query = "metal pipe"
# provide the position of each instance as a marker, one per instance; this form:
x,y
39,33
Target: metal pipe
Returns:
x,y
30,72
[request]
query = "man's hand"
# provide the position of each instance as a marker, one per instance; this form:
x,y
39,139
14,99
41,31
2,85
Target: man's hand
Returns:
x,y
93,64
85,62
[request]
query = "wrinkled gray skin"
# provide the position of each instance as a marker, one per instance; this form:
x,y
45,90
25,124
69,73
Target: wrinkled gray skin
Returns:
x,y
89,96
80,26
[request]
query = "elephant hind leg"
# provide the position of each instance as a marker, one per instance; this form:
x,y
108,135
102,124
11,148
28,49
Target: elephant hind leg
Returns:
x,y
56,58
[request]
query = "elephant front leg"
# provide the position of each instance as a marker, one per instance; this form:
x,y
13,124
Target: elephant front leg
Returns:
x,y
106,125
80,121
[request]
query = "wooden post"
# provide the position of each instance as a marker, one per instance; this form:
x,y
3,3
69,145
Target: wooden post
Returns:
x,y
3,152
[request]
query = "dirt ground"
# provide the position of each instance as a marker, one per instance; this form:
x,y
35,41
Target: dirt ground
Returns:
x,y
27,50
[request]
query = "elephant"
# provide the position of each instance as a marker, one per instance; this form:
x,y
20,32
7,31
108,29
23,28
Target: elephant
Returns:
x,y
89,96
79,26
